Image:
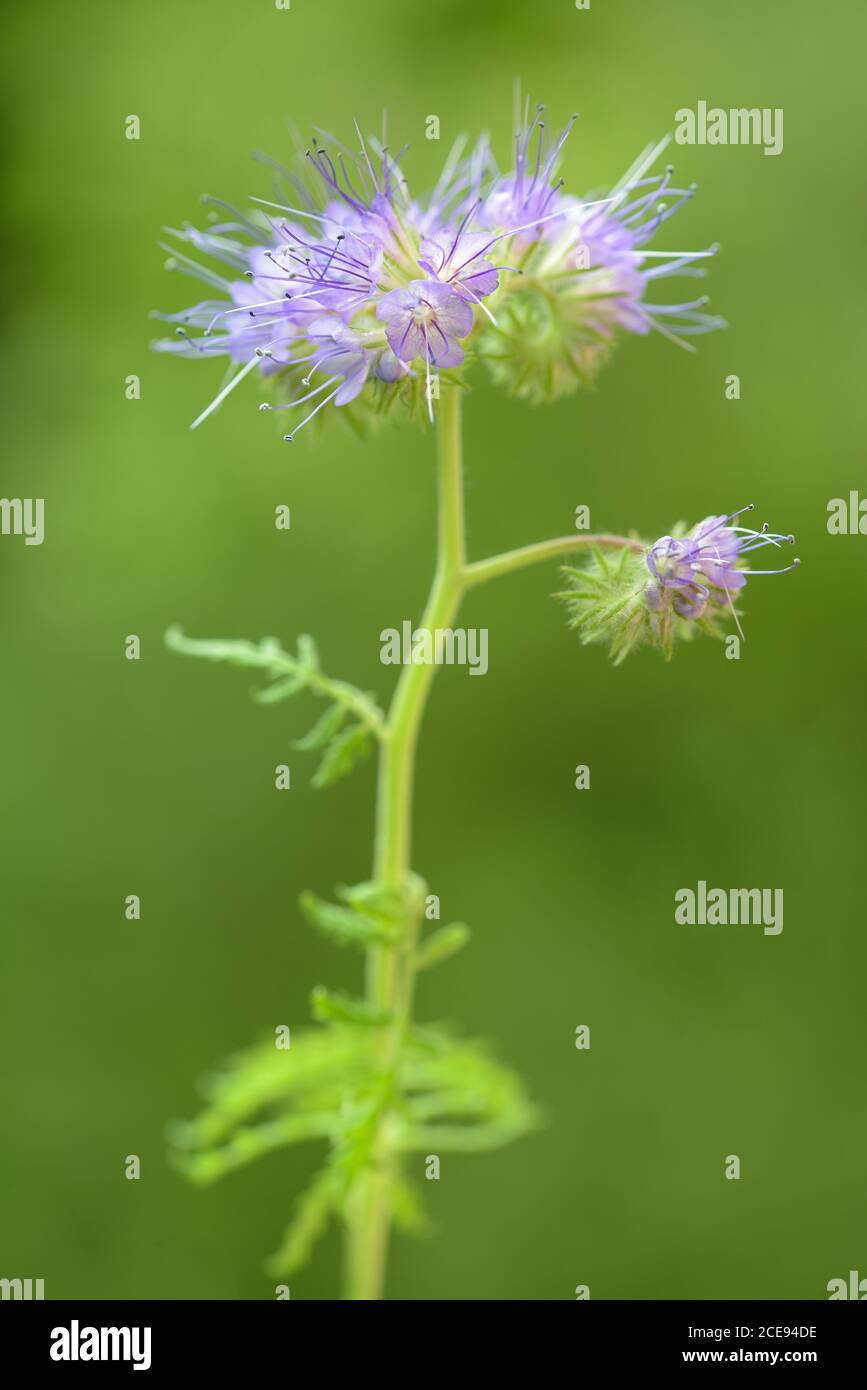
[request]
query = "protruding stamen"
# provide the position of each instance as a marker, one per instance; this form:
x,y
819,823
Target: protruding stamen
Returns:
x,y
182,333
288,438
793,566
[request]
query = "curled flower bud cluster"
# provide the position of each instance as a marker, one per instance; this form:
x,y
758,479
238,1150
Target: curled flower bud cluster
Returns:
x,y
680,585
354,292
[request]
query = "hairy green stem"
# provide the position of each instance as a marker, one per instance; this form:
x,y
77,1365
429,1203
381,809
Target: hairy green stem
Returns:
x,y
391,970
483,570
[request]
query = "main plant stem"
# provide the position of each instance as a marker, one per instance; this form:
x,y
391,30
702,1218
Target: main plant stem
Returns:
x,y
391,970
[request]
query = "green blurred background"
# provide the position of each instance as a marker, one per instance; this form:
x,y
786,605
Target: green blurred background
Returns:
x,y
156,777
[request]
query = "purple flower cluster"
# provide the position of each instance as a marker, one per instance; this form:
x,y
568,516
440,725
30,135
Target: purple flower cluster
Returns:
x,y
702,568
354,284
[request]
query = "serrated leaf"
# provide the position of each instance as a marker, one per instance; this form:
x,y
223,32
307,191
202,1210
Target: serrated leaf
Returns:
x,y
407,1207
348,925
312,1213
288,675
442,945
459,1081
313,1074
248,1144
462,1138
329,1007
371,894
307,652
398,907
279,690
342,755
324,730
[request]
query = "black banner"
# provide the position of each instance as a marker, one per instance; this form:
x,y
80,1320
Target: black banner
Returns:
x,y
158,1338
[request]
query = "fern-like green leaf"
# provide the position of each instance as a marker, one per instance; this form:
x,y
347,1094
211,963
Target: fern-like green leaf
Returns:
x,y
320,1068
309,1222
327,726
441,945
350,926
342,755
458,1097
248,1144
287,675
329,1007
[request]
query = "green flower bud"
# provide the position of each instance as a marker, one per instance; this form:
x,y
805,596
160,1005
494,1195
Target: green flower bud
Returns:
x,y
543,345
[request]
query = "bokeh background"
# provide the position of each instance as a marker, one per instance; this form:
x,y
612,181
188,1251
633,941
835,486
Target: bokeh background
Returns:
x,y
156,777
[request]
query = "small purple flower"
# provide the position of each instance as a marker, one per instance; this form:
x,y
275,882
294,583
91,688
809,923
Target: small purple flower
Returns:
x,y
456,258
426,320
692,571
691,586
347,359
528,197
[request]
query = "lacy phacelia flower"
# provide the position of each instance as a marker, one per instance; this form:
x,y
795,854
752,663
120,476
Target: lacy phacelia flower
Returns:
x,y
681,584
427,320
352,292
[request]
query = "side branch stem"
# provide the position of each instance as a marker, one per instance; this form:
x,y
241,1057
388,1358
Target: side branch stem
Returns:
x,y
511,560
